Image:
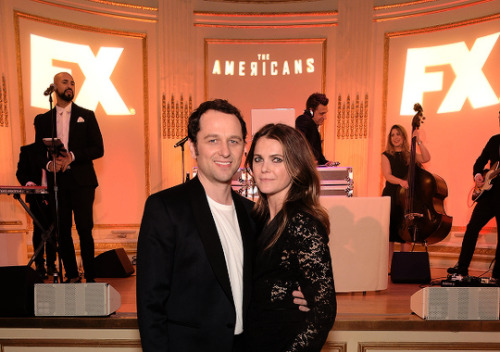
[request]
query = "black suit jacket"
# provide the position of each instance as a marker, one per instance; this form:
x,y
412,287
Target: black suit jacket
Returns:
x,y
85,142
305,124
29,167
184,298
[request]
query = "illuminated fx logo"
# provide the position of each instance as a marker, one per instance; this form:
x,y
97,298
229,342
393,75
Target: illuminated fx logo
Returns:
x,y
470,81
97,70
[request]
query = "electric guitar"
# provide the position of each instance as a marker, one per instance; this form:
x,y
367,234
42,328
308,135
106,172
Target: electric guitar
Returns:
x,y
488,177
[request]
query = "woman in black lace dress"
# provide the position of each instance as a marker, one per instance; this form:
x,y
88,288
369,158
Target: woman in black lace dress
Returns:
x,y
395,161
292,248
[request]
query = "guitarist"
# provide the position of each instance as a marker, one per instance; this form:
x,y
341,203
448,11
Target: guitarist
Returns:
x,y
487,207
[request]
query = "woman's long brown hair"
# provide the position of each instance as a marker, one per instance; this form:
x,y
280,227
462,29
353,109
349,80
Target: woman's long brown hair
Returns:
x,y
301,166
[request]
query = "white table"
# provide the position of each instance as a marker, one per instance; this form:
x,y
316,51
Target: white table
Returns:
x,y
359,242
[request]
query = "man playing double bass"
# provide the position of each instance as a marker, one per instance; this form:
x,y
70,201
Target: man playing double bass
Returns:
x,y
487,207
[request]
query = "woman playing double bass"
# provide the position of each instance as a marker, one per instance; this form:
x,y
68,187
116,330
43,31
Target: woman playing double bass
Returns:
x,y
395,162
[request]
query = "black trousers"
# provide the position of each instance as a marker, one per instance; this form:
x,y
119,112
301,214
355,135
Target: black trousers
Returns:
x,y
487,207
76,201
238,343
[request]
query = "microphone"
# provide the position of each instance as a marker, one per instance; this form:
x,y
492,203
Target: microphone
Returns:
x,y
49,90
181,142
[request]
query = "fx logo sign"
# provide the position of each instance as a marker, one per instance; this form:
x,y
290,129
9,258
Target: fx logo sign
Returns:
x,y
470,81
97,70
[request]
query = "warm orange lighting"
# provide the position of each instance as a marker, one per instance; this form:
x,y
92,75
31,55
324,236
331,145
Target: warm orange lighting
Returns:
x,y
97,87
470,81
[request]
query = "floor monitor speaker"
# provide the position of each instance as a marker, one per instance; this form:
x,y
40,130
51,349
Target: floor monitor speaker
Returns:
x,y
456,303
92,299
410,267
113,263
16,295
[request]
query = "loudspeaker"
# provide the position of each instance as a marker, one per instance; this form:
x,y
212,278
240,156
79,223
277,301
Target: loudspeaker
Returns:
x,y
92,299
410,267
456,303
113,263
16,295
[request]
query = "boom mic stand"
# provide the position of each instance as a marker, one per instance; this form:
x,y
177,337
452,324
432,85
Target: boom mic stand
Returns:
x,y
181,144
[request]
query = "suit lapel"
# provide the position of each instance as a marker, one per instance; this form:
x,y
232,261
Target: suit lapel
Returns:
x,y
72,123
209,235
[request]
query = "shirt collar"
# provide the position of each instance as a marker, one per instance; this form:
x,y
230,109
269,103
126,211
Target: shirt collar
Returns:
x,y
67,109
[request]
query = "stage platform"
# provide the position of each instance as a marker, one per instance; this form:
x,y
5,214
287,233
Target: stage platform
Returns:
x,y
380,320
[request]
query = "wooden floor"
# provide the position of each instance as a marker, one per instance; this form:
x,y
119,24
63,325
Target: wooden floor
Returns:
x,y
387,304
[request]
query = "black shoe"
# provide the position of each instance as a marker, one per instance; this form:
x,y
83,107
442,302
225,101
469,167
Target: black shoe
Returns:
x,y
456,270
73,280
51,269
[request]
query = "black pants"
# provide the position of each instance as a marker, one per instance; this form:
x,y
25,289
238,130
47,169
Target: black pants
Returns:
x,y
238,343
76,201
487,207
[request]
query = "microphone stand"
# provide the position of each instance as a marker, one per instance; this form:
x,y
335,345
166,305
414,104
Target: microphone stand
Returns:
x,y
54,150
181,144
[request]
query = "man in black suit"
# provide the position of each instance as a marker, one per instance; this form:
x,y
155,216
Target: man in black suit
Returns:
x,y
195,245
308,123
29,173
487,207
76,178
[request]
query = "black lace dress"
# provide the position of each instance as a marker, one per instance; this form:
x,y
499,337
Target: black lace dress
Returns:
x,y
300,257
399,168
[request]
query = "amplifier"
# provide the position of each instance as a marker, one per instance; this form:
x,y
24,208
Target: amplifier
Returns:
x,y
92,299
456,303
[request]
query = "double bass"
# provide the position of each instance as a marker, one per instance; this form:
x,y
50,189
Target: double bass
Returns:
x,y
425,220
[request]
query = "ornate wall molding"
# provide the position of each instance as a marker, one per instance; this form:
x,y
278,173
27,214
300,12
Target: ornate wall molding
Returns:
x,y
174,116
9,222
261,1
352,118
110,9
428,346
420,8
334,347
4,110
256,20
126,5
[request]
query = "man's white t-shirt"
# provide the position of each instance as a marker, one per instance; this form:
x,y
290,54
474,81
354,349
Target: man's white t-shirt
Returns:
x,y
226,221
